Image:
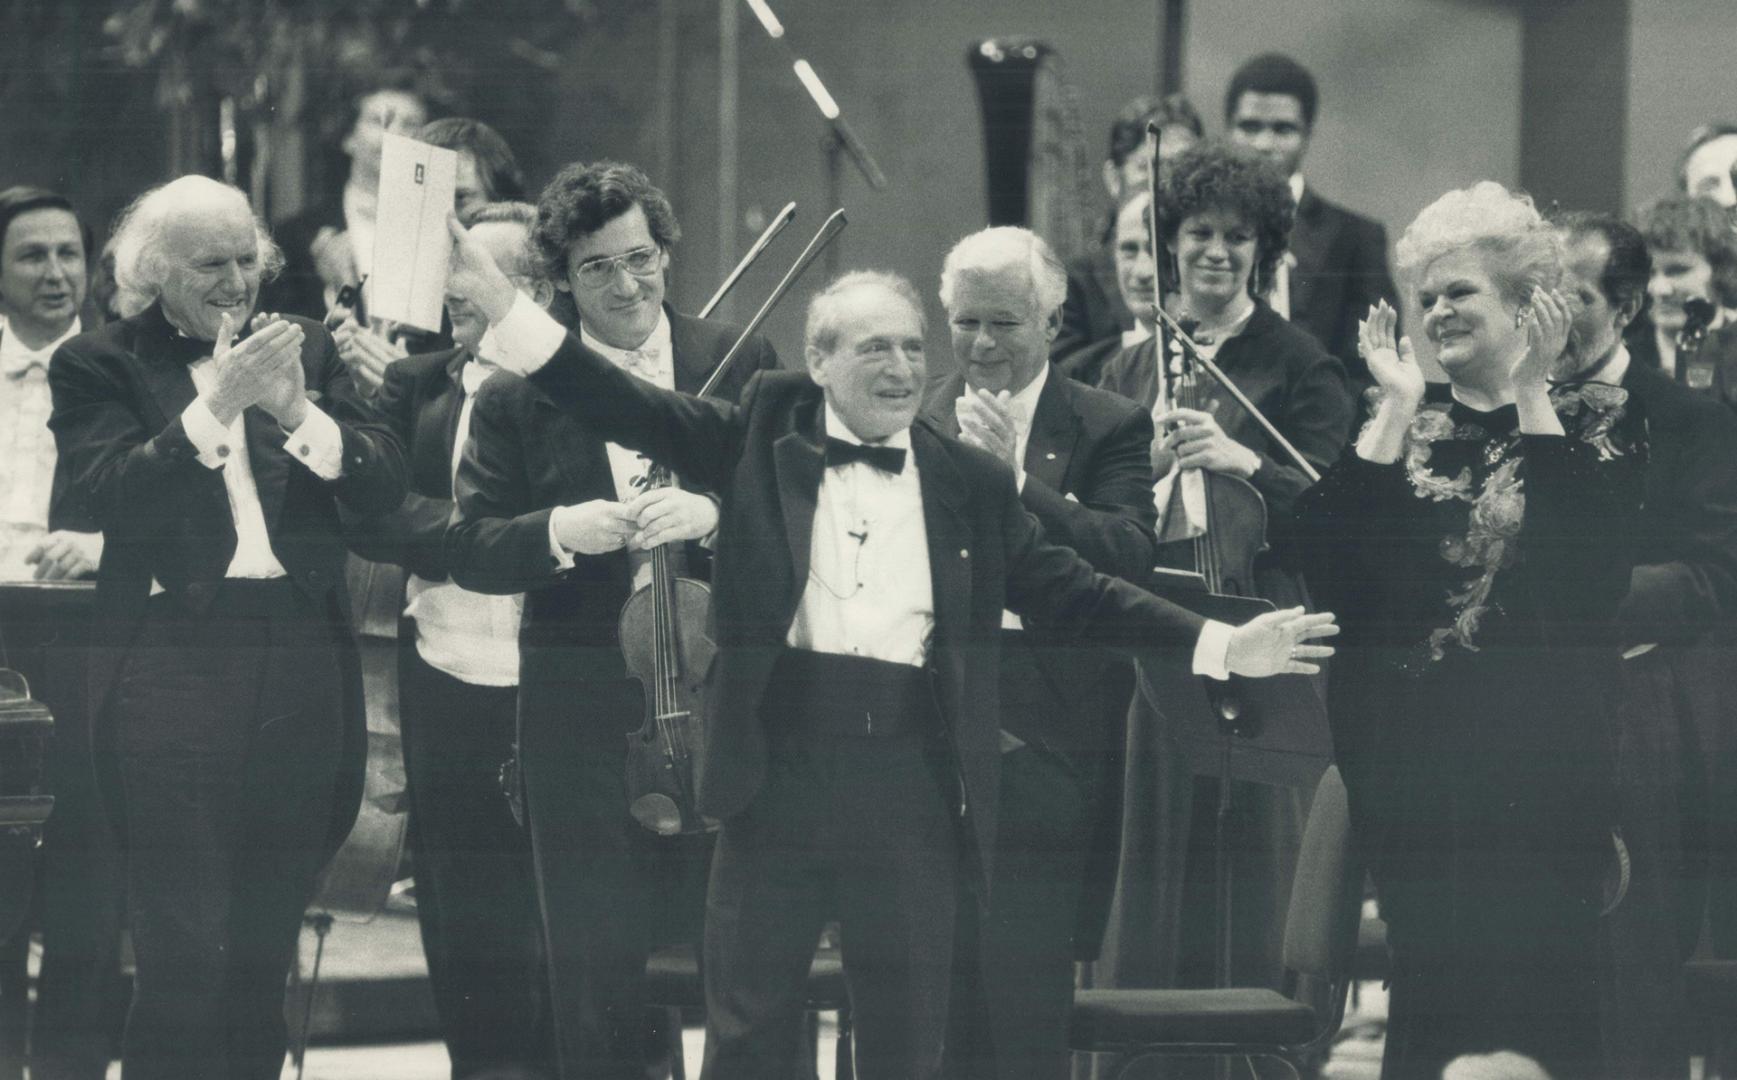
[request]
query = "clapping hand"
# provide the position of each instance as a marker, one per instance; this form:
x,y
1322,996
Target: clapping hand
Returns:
x,y
1394,366
1547,319
986,422
366,354
1276,643
264,370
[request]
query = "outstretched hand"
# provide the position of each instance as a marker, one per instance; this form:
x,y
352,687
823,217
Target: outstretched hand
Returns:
x,y
472,274
1277,643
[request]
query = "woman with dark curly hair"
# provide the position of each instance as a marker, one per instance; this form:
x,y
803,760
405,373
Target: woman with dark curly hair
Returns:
x,y
1225,218
1694,254
1476,550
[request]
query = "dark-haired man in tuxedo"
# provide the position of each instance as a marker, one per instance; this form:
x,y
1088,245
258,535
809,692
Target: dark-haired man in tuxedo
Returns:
x,y
1676,744
546,507
1337,265
852,731
1082,459
46,535
224,680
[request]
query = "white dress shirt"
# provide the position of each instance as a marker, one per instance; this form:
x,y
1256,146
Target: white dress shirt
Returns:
x,y
868,591
27,452
1280,300
317,444
472,636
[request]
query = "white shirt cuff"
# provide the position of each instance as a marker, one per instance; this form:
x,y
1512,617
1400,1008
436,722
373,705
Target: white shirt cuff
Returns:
x,y
525,338
1212,650
209,437
319,444
563,557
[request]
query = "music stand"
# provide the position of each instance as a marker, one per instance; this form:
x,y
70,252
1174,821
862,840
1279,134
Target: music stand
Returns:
x,y
1261,742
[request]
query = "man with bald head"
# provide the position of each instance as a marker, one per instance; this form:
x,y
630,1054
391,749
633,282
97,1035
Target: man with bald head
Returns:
x,y
852,735
1082,464
224,682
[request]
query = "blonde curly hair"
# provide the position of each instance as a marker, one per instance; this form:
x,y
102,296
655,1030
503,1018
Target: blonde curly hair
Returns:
x,y
1522,250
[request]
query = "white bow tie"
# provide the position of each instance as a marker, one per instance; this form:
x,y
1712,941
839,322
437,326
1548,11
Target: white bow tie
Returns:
x,y
19,365
643,361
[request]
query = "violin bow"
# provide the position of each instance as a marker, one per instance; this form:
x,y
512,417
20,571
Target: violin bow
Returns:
x,y
785,216
828,231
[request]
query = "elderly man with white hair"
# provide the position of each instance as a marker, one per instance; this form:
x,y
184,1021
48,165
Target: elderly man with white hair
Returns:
x,y
1082,463
224,683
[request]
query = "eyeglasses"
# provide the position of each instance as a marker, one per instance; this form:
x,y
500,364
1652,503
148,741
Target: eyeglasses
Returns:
x,y
640,262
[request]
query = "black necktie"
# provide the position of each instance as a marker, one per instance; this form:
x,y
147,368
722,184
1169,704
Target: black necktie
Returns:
x,y
888,459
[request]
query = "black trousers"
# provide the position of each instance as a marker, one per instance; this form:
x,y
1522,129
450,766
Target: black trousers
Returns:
x,y
74,1027
1013,986
853,826
610,891
227,730
476,897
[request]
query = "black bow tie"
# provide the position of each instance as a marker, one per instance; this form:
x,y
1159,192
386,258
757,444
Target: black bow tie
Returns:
x,y
888,459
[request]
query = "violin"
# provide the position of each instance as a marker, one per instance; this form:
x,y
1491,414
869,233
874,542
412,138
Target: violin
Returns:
x,y
663,627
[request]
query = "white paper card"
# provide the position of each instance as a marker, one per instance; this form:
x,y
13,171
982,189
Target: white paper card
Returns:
x,y
411,244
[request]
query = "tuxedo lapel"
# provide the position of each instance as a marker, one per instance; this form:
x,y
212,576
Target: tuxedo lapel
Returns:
x,y
1055,431
798,462
690,355
949,534
163,357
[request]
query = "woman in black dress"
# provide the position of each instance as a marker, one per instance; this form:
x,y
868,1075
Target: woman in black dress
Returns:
x,y
1476,550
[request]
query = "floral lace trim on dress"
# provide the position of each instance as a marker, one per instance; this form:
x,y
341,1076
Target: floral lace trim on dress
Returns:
x,y
1589,413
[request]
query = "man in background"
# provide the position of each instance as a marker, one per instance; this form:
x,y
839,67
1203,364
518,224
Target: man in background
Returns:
x,y
1093,311
1337,264
47,536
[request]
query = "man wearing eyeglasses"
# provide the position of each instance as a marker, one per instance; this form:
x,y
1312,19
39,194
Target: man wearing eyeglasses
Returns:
x,y
547,508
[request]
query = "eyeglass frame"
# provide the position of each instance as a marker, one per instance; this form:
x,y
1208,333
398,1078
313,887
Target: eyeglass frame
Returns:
x,y
614,262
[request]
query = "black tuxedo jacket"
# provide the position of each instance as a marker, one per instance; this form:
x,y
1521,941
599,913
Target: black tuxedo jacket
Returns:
x,y
1095,447
766,457
525,457
1341,270
1093,310
118,397
1685,577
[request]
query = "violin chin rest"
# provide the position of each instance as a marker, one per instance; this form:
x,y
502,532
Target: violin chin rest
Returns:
x,y
657,812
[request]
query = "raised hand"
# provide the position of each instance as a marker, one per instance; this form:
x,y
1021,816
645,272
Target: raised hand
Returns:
x,y
1198,442
1393,364
1547,318
986,422
472,275
593,528
1276,643
669,514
